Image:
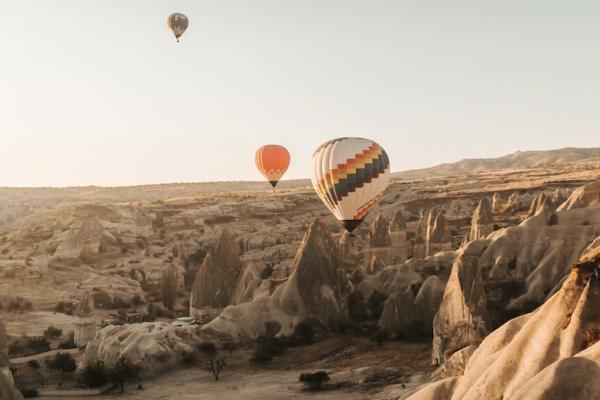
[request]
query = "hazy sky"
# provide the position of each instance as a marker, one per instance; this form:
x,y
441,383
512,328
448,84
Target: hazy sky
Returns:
x,y
98,92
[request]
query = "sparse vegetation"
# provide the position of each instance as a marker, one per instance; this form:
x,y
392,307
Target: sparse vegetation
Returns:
x,y
94,375
215,366
314,380
267,348
63,363
124,371
69,342
52,332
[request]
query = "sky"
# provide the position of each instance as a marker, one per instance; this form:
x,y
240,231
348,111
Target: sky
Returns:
x,y
98,92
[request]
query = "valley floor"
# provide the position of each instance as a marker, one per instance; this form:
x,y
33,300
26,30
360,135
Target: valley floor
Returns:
x,y
358,367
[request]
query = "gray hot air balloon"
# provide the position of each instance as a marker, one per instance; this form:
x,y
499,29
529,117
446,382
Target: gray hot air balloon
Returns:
x,y
177,23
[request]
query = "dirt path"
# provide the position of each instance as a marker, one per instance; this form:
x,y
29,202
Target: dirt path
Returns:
x,y
195,384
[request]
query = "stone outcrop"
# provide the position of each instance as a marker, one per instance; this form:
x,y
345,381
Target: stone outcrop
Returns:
x,y
482,223
583,197
557,198
349,248
85,326
378,233
497,204
251,284
217,277
398,238
409,314
419,241
462,318
7,384
513,204
157,346
538,251
316,289
552,353
438,234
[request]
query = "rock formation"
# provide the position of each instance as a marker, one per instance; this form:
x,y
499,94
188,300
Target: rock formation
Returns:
x,y
540,204
557,198
378,233
539,250
349,250
85,329
7,384
482,223
398,238
251,284
409,314
317,289
217,277
374,265
462,318
419,242
380,242
552,353
498,205
438,237
155,345
513,203
582,197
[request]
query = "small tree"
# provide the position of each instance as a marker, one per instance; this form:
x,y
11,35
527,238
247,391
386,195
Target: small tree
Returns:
x,y
304,333
124,371
52,332
62,362
267,348
168,287
69,342
94,374
314,380
215,366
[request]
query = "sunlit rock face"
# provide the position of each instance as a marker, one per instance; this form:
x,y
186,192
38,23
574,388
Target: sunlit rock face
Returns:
x,y
398,238
217,277
538,251
462,318
551,353
7,385
482,223
438,234
317,289
378,233
85,326
582,197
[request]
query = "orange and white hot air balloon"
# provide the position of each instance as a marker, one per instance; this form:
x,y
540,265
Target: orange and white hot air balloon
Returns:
x,y
350,175
272,160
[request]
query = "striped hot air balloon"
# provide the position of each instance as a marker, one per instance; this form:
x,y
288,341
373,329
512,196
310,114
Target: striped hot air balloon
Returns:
x,y
350,176
272,160
177,23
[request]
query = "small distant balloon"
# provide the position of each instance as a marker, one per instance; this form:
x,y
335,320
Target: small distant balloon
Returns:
x,y
350,176
272,160
177,23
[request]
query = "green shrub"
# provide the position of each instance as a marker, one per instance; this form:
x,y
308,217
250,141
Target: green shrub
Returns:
x,y
52,332
29,393
68,343
267,348
314,380
94,375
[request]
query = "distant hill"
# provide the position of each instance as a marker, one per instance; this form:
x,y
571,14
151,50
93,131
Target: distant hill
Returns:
x,y
518,159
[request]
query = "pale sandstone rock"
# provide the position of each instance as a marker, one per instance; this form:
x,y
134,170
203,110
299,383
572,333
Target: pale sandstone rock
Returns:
x,y
462,318
584,196
482,223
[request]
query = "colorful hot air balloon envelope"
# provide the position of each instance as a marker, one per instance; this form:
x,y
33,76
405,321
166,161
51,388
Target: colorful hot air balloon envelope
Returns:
x,y
350,176
177,23
272,161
